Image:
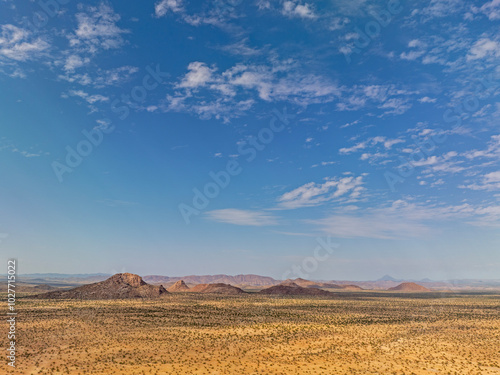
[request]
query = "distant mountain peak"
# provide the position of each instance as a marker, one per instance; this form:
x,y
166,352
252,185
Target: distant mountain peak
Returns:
x,y
387,278
179,286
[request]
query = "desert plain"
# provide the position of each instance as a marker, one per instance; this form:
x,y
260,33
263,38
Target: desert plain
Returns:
x,y
360,332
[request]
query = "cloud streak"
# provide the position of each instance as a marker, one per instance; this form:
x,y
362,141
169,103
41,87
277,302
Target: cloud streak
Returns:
x,y
242,217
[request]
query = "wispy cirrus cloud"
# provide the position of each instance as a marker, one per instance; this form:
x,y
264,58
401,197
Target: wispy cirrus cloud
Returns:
x,y
91,99
491,9
97,29
313,194
9,146
389,98
492,150
19,44
100,78
207,92
242,217
488,182
402,219
442,8
219,14
165,6
374,141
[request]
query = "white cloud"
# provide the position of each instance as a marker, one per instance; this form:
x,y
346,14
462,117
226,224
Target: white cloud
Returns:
x,y
437,183
204,90
396,106
242,217
492,9
412,55
483,48
387,97
492,150
338,23
97,29
445,163
489,182
199,74
263,4
164,6
443,8
19,45
312,194
416,43
218,14
74,61
323,164
356,147
293,9
372,157
91,99
103,124
426,99
241,48
387,143
101,77
8,145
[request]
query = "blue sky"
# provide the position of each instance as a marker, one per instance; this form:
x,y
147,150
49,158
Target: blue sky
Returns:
x,y
179,137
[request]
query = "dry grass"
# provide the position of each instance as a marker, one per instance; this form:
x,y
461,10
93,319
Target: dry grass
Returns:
x,y
358,333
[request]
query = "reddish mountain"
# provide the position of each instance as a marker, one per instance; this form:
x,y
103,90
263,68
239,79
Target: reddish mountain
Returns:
x,y
351,287
409,287
290,288
119,286
179,286
218,288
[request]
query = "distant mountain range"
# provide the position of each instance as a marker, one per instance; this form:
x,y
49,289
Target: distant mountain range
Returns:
x,y
249,280
257,281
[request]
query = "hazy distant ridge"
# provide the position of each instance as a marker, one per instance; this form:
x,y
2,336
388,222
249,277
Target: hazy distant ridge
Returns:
x,y
252,280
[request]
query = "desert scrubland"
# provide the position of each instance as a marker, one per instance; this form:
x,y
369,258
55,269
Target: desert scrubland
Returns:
x,y
188,333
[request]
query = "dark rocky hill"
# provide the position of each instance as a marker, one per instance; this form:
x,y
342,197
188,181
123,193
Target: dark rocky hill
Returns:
x,y
291,288
119,286
218,288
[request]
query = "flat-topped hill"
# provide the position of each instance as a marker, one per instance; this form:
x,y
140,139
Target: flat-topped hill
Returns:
x,y
290,288
219,288
409,287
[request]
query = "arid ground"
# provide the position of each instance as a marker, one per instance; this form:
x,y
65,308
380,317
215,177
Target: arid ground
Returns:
x,y
350,333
